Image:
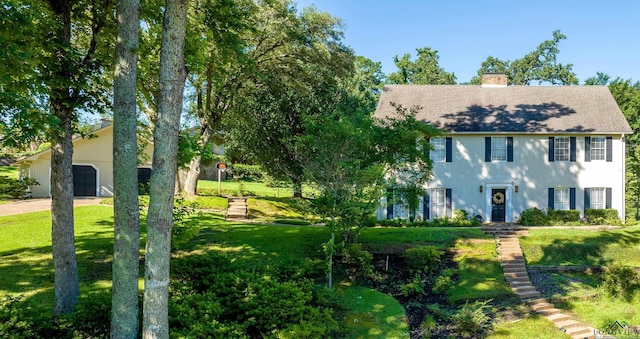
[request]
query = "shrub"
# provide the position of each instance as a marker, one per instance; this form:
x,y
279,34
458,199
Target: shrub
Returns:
x,y
442,284
413,288
471,319
533,217
357,262
607,216
246,172
16,189
558,217
422,259
460,215
620,282
428,324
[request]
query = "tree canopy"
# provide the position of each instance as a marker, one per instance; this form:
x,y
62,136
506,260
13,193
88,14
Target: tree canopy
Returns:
x,y
540,65
425,70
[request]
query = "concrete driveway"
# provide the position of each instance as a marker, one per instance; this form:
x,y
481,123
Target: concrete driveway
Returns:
x,y
36,205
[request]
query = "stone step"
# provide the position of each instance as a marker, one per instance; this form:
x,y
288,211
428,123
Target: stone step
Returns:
x,y
513,263
540,306
559,317
529,295
508,275
520,283
538,301
523,289
549,311
520,269
567,324
580,332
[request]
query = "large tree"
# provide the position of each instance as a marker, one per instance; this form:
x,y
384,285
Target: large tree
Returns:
x,y
425,70
124,309
172,75
271,40
540,65
60,74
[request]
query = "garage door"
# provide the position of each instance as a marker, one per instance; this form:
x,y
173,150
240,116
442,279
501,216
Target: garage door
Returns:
x,y
84,181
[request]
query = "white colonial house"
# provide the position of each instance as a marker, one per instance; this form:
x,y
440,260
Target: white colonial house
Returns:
x,y
510,148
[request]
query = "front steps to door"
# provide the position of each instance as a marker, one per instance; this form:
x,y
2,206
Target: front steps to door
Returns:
x,y
237,208
515,273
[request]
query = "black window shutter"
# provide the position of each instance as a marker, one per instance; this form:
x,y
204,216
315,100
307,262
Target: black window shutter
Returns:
x,y
509,149
448,201
551,146
449,150
587,149
572,149
572,198
487,149
425,206
550,198
608,197
587,199
389,204
609,149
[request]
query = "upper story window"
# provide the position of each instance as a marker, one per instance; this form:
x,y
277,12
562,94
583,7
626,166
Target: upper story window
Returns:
x,y
498,149
598,148
439,151
561,149
561,199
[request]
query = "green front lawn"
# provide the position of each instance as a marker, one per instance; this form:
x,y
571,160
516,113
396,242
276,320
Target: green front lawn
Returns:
x,y
241,188
561,247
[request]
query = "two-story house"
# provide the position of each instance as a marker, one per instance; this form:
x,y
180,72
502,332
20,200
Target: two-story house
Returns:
x,y
510,148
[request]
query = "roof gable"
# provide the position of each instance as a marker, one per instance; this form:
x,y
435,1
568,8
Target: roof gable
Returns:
x,y
513,109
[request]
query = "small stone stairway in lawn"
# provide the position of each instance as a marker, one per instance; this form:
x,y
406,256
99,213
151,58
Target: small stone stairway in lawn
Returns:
x,y
237,208
515,272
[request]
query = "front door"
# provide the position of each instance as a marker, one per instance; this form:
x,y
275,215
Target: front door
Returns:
x,y
498,197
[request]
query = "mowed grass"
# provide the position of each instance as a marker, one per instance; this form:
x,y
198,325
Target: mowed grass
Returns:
x,y
10,171
562,247
26,265
241,188
533,326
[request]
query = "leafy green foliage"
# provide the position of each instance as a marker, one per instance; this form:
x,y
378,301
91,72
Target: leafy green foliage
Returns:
x,y
540,65
211,296
557,217
425,70
533,217
14,321
471,319
607,216
422,259
356,261
247,172
16,188
436,222
620,282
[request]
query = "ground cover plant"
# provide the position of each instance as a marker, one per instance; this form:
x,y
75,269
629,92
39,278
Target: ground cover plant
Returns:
x,y
273,269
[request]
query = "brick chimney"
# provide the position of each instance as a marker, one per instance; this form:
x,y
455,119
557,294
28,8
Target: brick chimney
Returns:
x,y
494,80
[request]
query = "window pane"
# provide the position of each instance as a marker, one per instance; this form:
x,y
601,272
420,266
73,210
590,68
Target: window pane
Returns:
x,y
561,199
498,149
437,201
597,198
438,153
561,149
597,148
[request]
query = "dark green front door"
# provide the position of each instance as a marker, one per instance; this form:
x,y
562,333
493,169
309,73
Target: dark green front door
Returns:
x,y
498,199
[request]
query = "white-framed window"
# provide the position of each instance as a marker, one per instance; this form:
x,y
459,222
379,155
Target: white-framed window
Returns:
x,y
597,198
498,149
598,148
561,149
439,151
437,201
561,199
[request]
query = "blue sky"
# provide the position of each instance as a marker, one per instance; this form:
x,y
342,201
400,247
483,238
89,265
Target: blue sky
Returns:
x,y
601,35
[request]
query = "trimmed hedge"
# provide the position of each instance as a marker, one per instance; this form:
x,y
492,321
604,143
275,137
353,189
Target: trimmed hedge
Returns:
x,y
252,172
607,216
563,216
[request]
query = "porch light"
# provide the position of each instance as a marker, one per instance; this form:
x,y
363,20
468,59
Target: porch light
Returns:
x,y
516,189
480,188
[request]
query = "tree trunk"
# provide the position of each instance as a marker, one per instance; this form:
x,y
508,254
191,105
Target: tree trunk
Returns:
x,y
160,217
297,187
126,251
65,275
193,172
65,271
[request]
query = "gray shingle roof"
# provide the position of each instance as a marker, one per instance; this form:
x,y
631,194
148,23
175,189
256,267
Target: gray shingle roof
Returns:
x,y
512,109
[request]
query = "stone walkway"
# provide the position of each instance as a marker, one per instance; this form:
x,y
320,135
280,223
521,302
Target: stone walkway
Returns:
x,y
515,273
237,209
